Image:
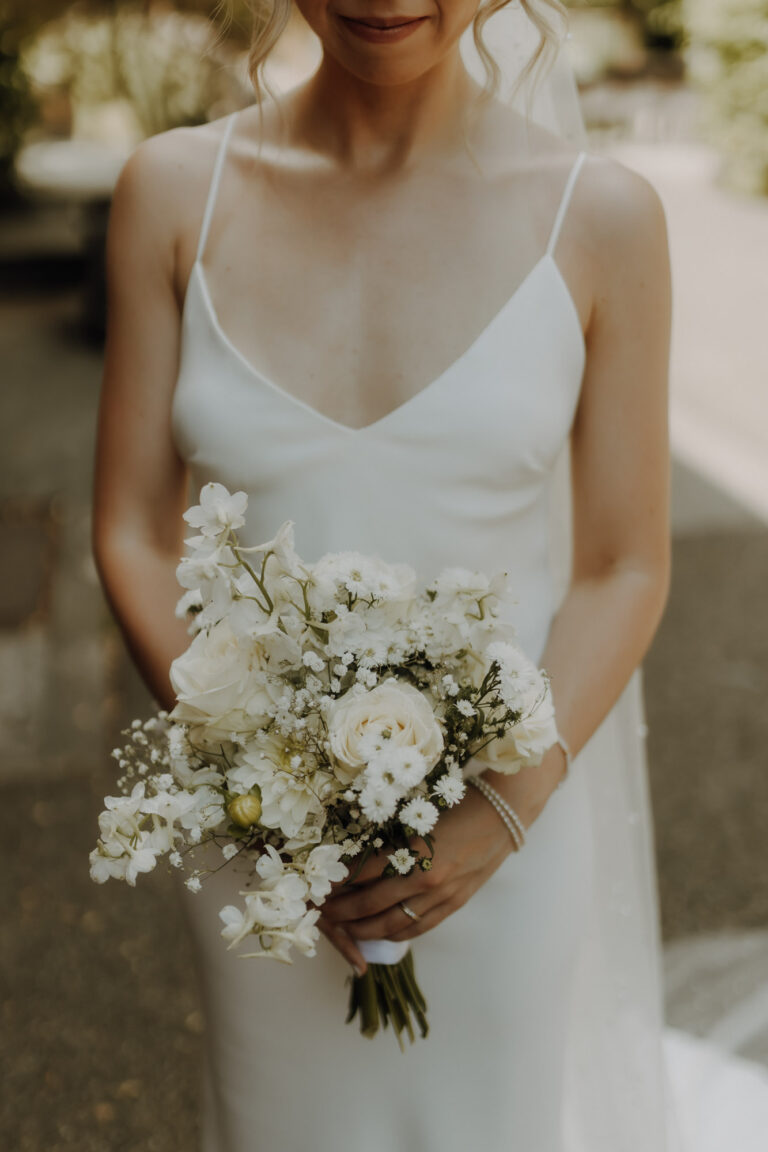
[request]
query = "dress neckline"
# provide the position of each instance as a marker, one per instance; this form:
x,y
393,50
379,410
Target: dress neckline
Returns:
x,y
546,260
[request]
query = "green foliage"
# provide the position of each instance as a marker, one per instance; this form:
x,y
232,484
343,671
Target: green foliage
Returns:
x,y
660,20
728,59
17,108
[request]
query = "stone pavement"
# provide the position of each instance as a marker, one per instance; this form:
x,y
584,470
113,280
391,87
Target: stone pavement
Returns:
x,y
101,1023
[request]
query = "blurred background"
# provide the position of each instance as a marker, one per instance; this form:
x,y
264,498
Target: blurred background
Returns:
x,y
101,1027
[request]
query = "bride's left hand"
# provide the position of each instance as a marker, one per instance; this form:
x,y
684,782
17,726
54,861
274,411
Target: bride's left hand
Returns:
x,y
470,843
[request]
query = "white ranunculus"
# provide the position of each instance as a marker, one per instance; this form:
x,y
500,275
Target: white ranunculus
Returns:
x,y
217,684
393,711
288,797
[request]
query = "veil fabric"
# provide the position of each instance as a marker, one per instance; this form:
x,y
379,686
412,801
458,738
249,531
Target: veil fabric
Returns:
x,y
633,1084
619,1094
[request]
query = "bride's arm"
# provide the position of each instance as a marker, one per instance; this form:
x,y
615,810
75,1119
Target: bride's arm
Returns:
x,y
620,474
139,482
620,577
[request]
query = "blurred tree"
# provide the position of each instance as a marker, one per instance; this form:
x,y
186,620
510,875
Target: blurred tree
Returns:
x,y
136,67
727,57
26,16
17,107
658,20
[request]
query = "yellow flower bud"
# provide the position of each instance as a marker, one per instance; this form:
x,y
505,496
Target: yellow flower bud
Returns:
x,y
245,809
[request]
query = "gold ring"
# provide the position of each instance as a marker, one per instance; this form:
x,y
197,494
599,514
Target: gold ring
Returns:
x,y
408,911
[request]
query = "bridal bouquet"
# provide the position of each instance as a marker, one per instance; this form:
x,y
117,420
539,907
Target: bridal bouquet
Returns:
x,y
325,712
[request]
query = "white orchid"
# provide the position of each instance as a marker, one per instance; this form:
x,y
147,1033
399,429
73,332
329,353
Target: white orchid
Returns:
x,y
322,869
218,512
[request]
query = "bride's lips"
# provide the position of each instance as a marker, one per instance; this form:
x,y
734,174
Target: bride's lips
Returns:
x,y
383,31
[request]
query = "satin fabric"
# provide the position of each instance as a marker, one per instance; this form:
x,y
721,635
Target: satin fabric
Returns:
x,y
461,475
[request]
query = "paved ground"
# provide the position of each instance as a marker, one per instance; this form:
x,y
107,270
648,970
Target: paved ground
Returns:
x,y
101,1025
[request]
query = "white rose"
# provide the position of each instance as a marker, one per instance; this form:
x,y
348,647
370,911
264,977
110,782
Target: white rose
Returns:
x,y
392,711
217,684
524,744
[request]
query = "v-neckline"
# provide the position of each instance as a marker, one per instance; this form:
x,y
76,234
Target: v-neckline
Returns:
x,y
399,409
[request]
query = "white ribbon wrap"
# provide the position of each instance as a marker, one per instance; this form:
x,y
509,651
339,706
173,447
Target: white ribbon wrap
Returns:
x,y
383,951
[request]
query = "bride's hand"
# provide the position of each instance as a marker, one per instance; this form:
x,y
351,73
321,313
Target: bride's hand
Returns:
x,y
471,842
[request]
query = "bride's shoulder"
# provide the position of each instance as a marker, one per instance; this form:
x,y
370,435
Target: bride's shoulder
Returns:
x,y
618,199
163,183
614,211
173,157
609,200
625,233
608,196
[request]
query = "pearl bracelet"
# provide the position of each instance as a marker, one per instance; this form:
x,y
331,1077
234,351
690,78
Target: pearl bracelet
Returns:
x,y
568,757
510,818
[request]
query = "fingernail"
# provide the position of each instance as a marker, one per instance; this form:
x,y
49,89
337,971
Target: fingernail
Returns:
x,y
357,971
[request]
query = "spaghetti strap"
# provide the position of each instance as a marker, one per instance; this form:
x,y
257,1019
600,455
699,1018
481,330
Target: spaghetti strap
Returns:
x,y
564,202
214,186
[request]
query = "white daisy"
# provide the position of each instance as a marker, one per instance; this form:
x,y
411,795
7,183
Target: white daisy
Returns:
x,y
378,802
419,814
451,789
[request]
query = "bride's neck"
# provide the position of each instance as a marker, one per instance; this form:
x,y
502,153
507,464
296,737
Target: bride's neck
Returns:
x,y
376,128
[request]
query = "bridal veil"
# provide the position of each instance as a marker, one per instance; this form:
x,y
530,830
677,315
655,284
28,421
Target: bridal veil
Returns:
x,y
619,1093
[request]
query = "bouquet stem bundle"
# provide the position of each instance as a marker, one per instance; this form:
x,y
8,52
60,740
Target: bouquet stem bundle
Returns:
x,y
389,993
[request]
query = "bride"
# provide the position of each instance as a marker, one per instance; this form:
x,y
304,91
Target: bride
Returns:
x,y
396,309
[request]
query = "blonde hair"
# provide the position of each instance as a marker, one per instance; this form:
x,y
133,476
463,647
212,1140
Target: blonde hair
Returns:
x,y
270,18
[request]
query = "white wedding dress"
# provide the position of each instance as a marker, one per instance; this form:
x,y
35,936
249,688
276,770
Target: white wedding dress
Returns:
x,y
540,989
